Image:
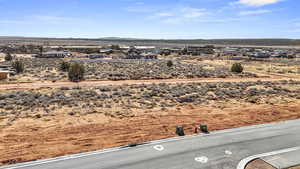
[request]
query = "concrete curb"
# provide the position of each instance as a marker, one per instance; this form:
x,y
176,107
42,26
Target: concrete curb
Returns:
x,y
247,160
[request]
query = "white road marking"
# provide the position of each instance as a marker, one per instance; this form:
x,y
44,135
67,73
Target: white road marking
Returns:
x,y
159,147
227,152
202,159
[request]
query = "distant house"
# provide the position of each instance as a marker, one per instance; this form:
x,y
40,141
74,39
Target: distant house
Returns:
x,y
146,49
96,56
228,51
148,56
261,54
169,51
198,50
105,51
81,49
5,72
134,53
53,54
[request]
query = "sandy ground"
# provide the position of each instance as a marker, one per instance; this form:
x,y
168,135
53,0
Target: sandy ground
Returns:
x,y
37,85
259,164
31,139
23,55
2,55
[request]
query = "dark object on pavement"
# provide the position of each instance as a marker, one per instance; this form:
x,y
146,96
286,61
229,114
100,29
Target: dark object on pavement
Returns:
x,y
204,128
180,131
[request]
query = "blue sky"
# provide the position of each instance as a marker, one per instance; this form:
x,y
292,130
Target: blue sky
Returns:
x,y
155,19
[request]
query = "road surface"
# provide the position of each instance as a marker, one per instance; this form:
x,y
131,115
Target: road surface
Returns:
x,y
218,150
284,160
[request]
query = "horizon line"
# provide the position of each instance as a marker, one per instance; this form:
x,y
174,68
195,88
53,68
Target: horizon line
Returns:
x,y
130,38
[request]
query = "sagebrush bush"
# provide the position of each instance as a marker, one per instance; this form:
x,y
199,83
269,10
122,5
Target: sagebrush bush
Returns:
x,y
237,68
18,66
204,128
8,57
169,63
64,66
76,72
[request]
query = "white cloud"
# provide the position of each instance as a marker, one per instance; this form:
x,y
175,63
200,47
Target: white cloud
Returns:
x,y
165,14
140,7
9,22
180,15
220,20
54,19
173,20
254,12
257,3
295,31
193,12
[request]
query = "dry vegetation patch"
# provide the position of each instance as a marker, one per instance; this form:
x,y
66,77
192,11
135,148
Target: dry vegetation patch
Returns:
x,y
127,100
37,124
48,70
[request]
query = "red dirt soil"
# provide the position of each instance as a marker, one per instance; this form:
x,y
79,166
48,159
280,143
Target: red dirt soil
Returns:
x,y
28,140
259,164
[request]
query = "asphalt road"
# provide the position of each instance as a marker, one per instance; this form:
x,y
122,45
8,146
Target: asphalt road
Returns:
x,y
218,150
284,160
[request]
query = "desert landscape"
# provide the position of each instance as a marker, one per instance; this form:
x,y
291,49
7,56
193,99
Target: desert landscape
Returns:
x,y
126,102
141,84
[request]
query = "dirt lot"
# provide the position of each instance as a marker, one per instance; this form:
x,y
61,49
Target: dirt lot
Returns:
x,y
49,127
2,55
42,120
259,164
37,69
30,139
273,66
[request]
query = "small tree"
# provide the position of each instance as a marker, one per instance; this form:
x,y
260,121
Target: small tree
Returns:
x,y
237,68
18,66
169,63
8,57
115,47
76,72
64,66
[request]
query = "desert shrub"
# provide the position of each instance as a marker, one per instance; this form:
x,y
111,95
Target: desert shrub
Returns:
x,y
8,57
64,66
169,63
115,47
237,68
204,128
76,72
18,66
